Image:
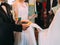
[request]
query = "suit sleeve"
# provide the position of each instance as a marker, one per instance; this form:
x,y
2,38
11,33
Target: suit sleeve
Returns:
x,y
18,28
11,26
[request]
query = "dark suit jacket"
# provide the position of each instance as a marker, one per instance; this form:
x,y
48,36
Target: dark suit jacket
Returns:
x,y
7,26
39,8
39,19
53,4
48,5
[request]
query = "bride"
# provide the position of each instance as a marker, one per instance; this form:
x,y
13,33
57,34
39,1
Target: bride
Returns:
x,y
27,37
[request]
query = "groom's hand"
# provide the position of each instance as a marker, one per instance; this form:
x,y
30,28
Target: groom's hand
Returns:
x,y
24,26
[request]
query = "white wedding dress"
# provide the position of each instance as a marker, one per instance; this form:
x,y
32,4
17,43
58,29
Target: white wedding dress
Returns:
x,y
51,36
54,30
27,37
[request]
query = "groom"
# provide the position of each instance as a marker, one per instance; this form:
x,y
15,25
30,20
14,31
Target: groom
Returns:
x,y
7,25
